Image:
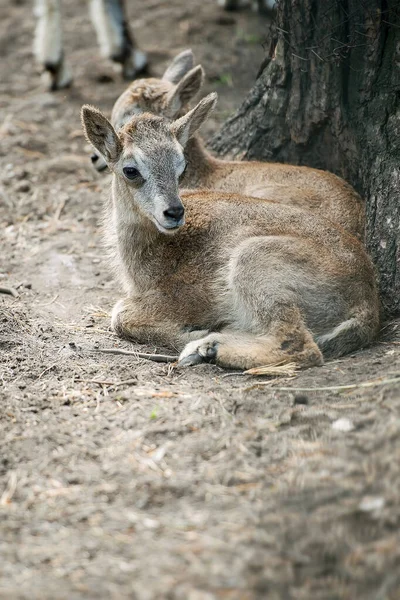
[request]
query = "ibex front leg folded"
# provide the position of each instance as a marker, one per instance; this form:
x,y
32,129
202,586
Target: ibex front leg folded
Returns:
x,y
285,342
140,323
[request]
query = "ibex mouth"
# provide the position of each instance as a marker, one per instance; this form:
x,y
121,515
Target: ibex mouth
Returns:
x,y
169,226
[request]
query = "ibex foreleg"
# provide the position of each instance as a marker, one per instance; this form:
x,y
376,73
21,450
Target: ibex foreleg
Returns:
x,y
142,324
48,43
115,38
286,342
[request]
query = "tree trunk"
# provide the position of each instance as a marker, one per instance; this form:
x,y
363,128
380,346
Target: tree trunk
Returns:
x,y
328,96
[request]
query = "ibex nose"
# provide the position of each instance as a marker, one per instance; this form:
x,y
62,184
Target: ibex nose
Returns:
x,y
94,158
175,213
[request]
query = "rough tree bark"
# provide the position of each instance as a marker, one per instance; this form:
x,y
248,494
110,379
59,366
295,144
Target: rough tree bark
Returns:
x,y
328,96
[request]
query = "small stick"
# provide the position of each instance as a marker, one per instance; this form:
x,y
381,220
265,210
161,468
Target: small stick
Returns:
x,y
59,210
241,373
111,383
9,290
162,358
51,301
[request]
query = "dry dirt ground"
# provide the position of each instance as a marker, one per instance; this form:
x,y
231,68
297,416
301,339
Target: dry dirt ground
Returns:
x,y
122,478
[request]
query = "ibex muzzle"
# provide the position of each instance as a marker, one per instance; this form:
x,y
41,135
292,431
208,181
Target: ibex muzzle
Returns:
x,y
167,213
174,215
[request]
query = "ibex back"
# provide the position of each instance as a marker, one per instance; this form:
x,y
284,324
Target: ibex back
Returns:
x,y
221,276
317,191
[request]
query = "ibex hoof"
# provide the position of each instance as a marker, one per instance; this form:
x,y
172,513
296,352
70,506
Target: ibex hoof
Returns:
x,y
59,75
192,355
191,360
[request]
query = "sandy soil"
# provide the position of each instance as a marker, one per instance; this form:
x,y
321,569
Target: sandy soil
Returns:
x,y
122,478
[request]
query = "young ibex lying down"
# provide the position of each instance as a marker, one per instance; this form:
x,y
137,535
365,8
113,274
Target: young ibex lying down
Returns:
x,y
221,276
318,191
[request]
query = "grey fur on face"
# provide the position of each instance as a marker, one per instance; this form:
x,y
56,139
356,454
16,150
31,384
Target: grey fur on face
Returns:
x,y
147,157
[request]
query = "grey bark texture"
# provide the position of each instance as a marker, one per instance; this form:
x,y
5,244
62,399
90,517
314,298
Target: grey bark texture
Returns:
x,y
328,96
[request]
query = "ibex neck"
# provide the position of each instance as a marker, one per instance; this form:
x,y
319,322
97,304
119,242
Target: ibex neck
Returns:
x,y
132,238
200,163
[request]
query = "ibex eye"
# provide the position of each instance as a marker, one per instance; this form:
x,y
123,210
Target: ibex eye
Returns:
x,y
131,172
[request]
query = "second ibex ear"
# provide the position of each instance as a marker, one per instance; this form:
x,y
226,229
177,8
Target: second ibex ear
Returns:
x,y
187,125
185,90
179,66
100,133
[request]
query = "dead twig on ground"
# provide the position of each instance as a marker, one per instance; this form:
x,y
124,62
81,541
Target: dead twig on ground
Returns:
x,y
330,388
110,383
9,291
86,329
161,358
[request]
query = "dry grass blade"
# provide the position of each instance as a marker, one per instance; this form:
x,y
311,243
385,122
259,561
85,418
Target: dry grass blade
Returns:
x,y
85,329
96,311
10,489
274,370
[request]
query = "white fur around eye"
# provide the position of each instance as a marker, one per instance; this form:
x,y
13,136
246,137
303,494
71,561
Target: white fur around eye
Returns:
x,y
137,160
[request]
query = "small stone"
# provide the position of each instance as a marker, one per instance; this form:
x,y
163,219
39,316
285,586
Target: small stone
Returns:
x,y
225,20
23,186
343,424
300,399
21,173
371,503
104,78
150,523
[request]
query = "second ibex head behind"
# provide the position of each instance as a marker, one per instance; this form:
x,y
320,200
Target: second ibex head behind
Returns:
x,y
146,158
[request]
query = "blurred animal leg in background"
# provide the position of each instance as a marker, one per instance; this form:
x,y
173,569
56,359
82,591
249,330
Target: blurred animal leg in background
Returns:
x,y
115,38
48,48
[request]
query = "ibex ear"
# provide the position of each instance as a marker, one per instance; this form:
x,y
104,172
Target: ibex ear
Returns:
x,y
100,133
179,66
187,125
185,90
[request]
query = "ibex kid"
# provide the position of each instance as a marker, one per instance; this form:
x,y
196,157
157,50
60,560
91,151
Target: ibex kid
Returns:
x,y
221,276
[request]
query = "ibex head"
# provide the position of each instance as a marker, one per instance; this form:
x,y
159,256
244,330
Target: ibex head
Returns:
x,y
167,97
146,156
